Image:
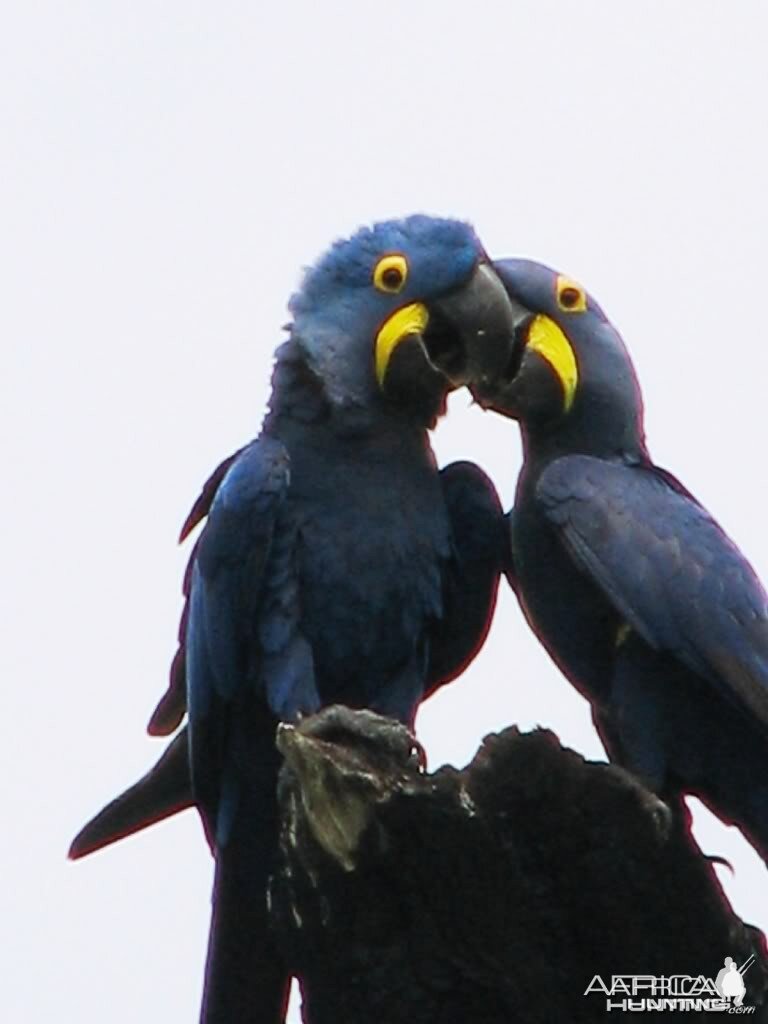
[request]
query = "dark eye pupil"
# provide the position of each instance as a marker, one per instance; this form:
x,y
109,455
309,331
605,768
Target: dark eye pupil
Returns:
x,y
569,297
392,277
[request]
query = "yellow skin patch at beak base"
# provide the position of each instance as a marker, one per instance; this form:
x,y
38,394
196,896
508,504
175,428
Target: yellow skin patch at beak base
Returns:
x,y
546,338
402,324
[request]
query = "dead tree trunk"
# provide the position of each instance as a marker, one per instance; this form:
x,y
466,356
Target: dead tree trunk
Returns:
x,y
490,895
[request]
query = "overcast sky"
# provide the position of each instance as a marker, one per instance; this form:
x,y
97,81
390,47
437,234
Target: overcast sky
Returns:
x,y
167,170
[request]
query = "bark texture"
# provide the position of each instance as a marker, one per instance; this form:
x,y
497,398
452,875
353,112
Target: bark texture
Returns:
x,y
488,895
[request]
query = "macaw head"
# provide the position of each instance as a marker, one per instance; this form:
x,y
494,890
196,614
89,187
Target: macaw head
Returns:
x,y
568,373
379,310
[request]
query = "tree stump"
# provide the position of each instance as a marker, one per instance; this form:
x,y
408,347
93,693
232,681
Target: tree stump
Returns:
x,y
489,895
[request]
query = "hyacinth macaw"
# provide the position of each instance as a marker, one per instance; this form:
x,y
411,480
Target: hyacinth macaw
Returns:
x,y
336,564
641,599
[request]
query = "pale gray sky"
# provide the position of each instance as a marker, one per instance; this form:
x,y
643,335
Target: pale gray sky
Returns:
x,y
167,170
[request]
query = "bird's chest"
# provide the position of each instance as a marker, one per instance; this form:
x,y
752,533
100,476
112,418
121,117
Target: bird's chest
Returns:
x,y
565,609
372,541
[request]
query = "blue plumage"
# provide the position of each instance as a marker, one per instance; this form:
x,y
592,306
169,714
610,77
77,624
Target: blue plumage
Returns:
x,y
668,568
335,565
441,254
646,605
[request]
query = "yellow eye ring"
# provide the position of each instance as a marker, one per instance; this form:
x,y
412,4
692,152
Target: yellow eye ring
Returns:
x,y
391,273
571,297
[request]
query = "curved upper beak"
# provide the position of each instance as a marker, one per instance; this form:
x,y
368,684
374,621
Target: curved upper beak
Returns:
x,y
468,334
472,332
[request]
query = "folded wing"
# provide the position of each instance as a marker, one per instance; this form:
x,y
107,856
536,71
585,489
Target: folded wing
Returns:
x,y
667,567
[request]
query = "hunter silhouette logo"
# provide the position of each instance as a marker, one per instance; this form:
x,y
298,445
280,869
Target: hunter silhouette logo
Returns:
x,y
639,993
730,980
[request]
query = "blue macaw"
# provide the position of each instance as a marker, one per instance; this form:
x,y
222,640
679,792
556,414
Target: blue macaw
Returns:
x,y
641,599
336,564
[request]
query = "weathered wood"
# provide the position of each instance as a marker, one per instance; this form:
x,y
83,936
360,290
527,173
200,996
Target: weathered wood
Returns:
x,y
488,895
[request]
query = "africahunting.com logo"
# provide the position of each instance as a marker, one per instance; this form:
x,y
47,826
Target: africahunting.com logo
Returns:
x,y
639,993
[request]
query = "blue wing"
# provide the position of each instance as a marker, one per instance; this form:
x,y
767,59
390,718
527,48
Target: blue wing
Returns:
x,y
667,567
246,660
480,541
172,707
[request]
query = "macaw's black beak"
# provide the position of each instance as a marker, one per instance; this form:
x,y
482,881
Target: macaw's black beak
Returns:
x,y
472,333
542,377
469,336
